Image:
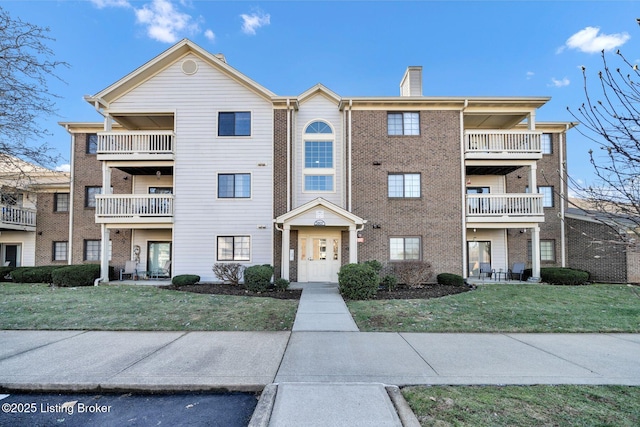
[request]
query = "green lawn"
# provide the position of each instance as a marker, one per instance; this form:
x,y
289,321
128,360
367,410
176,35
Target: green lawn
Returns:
x,y
145,308
508,308
525,406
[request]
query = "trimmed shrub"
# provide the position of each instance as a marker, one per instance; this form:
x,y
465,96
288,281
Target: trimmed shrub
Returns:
x,y
257,278
230,273
389,282
375,265
450,279
76,275
281,284
5,273
413,273
41,274
564,276
358,281
185,279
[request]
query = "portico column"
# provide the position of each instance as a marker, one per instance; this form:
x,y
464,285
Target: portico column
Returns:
x,y
353,245
286,243
535,251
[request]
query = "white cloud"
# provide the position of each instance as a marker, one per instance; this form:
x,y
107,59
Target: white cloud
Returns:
x,y
590,40
64,168
559,83
101,4
530,74
250,23
210,35
164,23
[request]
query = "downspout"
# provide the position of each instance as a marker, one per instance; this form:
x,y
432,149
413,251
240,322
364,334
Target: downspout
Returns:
x,y
288,155
71,191
463,192
349,177
563,182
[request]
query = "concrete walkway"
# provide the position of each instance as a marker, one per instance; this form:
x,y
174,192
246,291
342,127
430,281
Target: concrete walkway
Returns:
x,y
313,368
322,308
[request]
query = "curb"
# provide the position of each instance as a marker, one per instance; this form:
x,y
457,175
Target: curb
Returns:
x,y
407,417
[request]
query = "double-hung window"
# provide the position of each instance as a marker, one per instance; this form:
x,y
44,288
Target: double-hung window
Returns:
x,y
234,123
547,250
234,248
404,248
93,249
403,123
404,185
547,195
60,251
319,161
546,144
61,202
234,185
92,143
90,196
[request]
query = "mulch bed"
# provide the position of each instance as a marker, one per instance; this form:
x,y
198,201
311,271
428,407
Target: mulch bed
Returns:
x,y
424,292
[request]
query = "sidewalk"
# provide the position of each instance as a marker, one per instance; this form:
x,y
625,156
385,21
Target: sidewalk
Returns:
x,y
325,365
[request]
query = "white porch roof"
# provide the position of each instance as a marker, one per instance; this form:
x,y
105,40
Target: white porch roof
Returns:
x,y
319,212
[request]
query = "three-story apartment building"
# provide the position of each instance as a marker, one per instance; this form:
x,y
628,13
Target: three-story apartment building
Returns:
x,y
197,164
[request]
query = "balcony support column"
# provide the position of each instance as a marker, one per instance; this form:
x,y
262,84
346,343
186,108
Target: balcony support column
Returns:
x,y
533,178
535,251
104,253
353,245
286,244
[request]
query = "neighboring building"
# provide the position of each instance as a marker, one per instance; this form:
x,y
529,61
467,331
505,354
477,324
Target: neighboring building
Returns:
x,y
34,214
198,164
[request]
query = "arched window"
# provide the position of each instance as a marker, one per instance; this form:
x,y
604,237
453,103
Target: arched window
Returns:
x,y
319,162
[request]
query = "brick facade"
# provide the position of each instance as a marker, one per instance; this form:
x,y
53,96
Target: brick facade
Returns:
x,y
280,180
87,171
436,216
51,227
593,248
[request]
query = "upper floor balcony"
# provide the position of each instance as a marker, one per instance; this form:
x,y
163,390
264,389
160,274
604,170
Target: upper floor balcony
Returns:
x,y
502,144
511,207
134,209
136,145
15,218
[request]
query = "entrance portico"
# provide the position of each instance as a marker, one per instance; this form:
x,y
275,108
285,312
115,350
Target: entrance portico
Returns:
x,y
318,251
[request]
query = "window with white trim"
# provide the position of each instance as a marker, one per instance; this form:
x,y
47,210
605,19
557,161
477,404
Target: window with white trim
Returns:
x,y
404,185
318,157
547,250
546,144
547,195
234,123
404,248
405,123
234,185
234,248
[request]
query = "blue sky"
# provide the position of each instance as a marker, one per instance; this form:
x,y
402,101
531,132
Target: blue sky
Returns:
x,y
355,48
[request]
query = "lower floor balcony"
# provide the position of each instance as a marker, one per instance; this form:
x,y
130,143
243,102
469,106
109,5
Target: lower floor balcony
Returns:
x,y
504,208
15,218
134,208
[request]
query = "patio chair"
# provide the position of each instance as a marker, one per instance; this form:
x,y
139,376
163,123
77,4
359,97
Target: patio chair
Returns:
x,y
517,271
485,270
164,271
130,269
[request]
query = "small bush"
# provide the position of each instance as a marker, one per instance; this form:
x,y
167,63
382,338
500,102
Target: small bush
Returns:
x,y
76,275
230,273
389,282
185,279
34,274
281,284
5,273
375,265
257,278
564,276
450,279
358,281
413,273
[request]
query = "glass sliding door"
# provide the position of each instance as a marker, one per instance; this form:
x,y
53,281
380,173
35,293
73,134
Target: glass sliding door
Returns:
x,y
478,252
158,253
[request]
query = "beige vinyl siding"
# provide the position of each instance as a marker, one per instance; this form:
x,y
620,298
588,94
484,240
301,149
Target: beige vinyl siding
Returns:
x,y
142,183
496,183
319,107
143,237
27,240
200,155
498,239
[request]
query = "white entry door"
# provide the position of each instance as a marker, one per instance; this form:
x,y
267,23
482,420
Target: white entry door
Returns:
x,y
319,257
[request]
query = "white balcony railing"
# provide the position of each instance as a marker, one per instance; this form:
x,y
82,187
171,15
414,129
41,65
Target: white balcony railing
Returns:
x,y
503,142
500,205
18,217
134,206
135,142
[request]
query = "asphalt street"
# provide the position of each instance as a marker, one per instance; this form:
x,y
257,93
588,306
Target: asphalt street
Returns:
x,y
102,410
